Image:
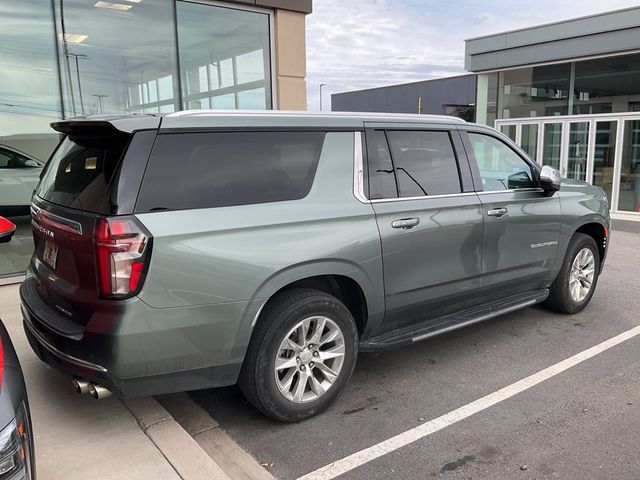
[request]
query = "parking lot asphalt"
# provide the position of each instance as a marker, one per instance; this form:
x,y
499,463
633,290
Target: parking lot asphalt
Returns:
x,y
583,423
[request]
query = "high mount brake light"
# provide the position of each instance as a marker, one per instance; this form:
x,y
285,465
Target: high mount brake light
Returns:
x,y
122,252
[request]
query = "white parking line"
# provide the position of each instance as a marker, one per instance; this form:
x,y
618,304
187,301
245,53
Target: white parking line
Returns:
x,y
362,457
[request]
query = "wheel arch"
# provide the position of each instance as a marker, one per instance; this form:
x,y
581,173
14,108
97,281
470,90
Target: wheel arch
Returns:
x,y
598,229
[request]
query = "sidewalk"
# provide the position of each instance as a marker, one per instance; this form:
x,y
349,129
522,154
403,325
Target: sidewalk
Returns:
x,y
77,437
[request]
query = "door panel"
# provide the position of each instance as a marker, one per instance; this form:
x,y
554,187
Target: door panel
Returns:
x,y
522,223
520,246
434,266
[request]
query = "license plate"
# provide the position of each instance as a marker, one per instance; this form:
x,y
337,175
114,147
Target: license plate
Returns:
x,y
50,254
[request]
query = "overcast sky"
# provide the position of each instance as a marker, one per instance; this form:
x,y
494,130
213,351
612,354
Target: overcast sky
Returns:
x,y
356,44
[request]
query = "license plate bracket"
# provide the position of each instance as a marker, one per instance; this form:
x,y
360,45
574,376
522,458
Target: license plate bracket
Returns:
x,y
50,254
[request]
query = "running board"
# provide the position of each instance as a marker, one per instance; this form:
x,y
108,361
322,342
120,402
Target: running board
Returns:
x,y
437,326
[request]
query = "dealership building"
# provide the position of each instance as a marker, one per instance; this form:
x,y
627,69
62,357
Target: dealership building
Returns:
x,y
567,92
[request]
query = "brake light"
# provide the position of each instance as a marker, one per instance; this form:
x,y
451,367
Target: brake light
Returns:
x,y
122,252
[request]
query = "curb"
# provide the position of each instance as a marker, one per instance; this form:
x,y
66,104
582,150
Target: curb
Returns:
x,y
214,441
177,446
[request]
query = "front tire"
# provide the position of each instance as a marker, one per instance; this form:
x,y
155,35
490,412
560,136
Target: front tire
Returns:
x,y
301,355
573,288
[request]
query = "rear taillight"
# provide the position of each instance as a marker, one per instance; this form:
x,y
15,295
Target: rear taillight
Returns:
x,y
122,251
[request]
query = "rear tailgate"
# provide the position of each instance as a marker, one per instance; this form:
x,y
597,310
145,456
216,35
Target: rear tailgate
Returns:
x,y
78,187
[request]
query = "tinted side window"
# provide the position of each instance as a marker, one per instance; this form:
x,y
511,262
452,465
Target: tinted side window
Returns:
x,y
10,159
200,170
500,167
425,163
382,181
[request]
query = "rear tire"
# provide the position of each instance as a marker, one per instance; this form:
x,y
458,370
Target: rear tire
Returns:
x,y
573,288
301,355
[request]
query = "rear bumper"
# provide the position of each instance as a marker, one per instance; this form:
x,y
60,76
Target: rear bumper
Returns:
x,y
129,362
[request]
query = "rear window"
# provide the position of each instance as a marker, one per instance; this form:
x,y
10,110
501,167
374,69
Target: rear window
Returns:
x,y
79,173
201,170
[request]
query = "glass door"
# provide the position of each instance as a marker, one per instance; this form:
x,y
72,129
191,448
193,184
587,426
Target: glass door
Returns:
x,y
552,146
605,150
529,139
576,167
629,196
509,130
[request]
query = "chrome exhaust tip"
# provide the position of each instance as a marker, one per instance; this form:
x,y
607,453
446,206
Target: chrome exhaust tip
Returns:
x,y
99,392
81,386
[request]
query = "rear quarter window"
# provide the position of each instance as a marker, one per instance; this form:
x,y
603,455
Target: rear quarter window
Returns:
x,y
218,169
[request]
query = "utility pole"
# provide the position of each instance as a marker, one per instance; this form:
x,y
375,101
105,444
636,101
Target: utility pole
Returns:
x,y
100,101
321,85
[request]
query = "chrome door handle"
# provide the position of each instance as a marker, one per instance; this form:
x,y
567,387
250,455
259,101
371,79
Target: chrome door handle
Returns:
x,y
405,223
497,212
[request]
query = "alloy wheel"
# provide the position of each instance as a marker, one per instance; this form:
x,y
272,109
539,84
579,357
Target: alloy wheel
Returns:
x,y
309,359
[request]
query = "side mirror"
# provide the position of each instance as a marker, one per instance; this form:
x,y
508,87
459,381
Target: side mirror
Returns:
x,y
31,164
550,179
7,229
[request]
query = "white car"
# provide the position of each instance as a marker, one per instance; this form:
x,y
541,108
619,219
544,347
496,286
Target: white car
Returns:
x,y
19,175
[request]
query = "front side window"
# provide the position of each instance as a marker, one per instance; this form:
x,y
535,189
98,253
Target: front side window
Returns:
x,y
501,168
425,163
203,170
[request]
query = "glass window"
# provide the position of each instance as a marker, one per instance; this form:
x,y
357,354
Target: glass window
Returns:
x,y
486,98
552,146
224,169
607,85
79,174
425,163
382,180
224,57
629,199
501,168
509,131
117,60
529,140
604,156
578,143
10,158
534,91
29,101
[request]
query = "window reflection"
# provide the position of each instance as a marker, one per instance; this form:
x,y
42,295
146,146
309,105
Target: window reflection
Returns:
x,y
117,60
224,57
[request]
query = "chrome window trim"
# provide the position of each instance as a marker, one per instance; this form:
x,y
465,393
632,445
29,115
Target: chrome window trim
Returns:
x,y
358,169
424,197
512,190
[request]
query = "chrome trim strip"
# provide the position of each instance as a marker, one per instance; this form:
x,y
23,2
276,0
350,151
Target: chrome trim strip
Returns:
x,y
358,168
513,190
423,197
71,224
59,353
475,320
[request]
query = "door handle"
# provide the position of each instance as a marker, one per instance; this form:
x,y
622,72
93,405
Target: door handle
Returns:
x,y
497,212
405,223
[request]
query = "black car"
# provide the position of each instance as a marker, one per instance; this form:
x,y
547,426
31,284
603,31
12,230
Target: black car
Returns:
x,y
16,440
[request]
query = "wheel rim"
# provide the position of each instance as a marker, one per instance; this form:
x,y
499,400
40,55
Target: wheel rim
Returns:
x,y
309,359
583,271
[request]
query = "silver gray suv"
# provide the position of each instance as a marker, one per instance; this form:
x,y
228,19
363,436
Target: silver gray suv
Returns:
x,y
203,249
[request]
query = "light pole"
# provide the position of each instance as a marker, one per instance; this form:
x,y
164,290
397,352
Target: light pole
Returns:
x,y
78,56
321,85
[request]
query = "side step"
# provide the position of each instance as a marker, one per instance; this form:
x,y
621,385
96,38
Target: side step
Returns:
x,y
436,326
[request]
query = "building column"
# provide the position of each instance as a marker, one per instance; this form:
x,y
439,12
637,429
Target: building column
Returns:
x,y
290,60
